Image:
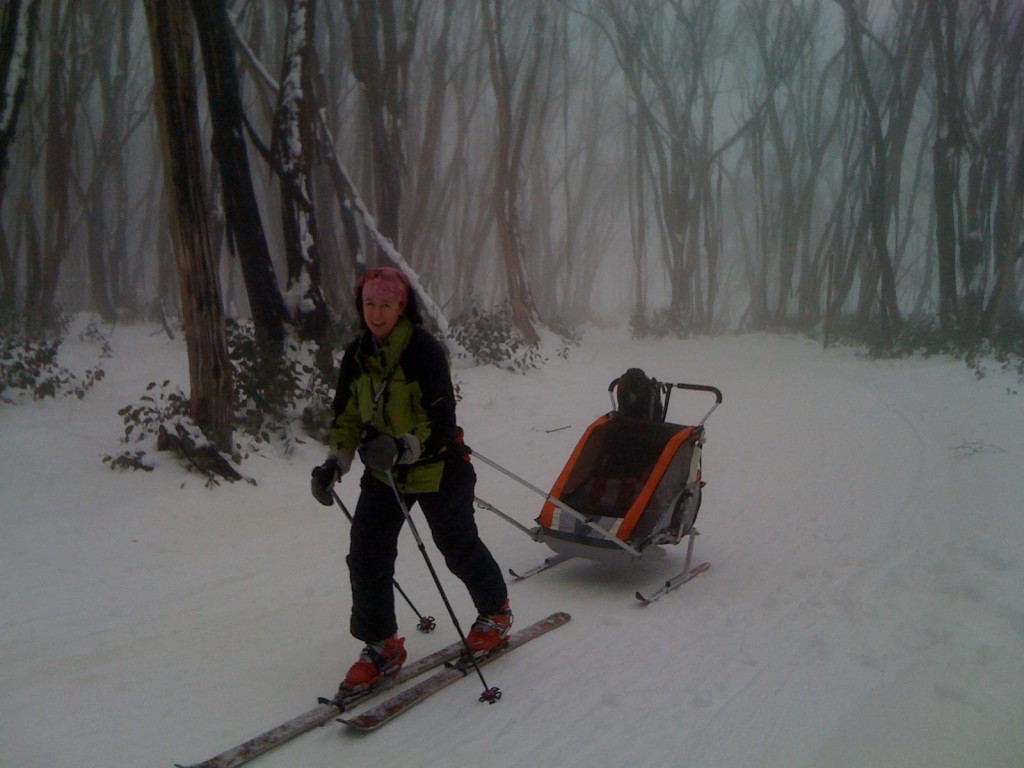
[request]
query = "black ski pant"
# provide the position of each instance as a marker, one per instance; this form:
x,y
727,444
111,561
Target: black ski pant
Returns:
x,y
373,548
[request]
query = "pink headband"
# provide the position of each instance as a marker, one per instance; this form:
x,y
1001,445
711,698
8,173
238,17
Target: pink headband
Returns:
x,y
385,284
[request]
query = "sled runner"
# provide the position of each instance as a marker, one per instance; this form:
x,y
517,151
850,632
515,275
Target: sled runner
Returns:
x,y
633,481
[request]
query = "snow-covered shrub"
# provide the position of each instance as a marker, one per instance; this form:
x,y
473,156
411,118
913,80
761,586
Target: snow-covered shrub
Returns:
x,y
29,363
274,388
492,338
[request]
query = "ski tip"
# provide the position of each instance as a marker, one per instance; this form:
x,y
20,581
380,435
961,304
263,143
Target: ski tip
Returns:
x,y
556,619
362,723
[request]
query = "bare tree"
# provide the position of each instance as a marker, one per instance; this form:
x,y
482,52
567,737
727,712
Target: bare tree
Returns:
x,y
427,198
664,84
103,194
949,140
383,37
246,237
17,37
671,54
575,193
353,210
429,103
515,101
790,145
995,193
62,93
293,145
888,109
18,28
210,377
978,57
446,222
636,161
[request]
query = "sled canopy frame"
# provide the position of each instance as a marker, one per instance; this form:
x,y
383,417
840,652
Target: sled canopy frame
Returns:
x,y
633,480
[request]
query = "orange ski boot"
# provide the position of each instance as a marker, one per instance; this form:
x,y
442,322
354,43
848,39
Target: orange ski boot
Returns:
x,y
377,660
490,632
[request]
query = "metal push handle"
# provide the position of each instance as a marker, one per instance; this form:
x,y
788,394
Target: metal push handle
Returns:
x,y
696,388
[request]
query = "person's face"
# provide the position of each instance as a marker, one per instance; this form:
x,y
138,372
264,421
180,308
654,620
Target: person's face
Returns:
x,y
381,316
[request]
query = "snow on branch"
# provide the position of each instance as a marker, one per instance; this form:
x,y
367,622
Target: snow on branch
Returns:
x,y
383,243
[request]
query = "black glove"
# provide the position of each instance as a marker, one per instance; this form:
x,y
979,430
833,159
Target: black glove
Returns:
x,y
380,453
323,479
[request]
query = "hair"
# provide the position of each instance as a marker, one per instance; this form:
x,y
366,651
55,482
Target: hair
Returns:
x,y
412,308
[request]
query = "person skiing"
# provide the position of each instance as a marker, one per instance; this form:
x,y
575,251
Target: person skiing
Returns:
x,y
395,405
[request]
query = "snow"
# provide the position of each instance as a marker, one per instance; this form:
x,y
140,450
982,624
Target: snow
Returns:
x,y
865,604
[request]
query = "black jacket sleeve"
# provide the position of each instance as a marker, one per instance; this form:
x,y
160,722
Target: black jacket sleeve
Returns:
x,y
426,362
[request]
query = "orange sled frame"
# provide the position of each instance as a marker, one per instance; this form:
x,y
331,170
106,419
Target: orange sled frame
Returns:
x,y
633,482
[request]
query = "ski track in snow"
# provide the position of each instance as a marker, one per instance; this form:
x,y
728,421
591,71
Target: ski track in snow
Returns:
x,y
864,607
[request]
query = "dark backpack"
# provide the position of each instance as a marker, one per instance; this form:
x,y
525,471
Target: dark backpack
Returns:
x,y
638,396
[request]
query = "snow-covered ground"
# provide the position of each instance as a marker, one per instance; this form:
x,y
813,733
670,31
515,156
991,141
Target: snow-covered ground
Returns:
x,y
865,604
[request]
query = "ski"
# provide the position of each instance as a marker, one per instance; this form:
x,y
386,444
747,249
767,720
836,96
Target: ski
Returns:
x,y
389,709
327,709
674,583
549,562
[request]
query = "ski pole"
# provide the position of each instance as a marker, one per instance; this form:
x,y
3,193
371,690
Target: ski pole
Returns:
x,y
490,695
426,623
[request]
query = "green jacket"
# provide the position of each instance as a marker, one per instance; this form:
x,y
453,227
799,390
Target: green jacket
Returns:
x,y
401,389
